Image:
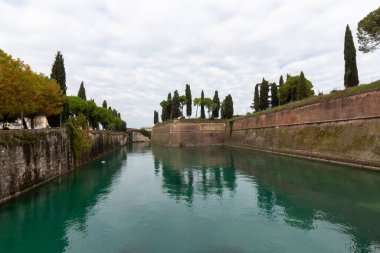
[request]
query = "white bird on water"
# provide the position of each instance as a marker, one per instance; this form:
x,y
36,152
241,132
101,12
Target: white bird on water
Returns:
x,y
103,162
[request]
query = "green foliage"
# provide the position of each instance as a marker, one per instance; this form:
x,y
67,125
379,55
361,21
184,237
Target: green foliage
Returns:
x,y
223,109
302,91
182,101
176,112
26,93
82,91
104,105
256,99
375,86
264,95
281,82
351,78
169,106
369,32
202,105
189,101
229,107
288,91
216,105
58,73
145,132
76,129
274,95
209,104
109,118
197,102
164,113
155,118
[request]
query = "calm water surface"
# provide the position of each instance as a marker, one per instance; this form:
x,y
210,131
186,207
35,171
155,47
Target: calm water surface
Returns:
x,y
212,199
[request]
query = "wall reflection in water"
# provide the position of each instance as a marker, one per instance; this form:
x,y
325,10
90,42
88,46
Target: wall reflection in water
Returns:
x,y
300,192
40,218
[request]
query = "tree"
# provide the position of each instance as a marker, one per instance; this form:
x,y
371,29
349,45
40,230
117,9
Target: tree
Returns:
x,y
155,120
164,113
169,106
302,91
229,107
274,95
223,109
197,102
351,78
176,112
202,105
281,82
182,102
82,91
256,99
264,95
209,104
26,93
288,91
58,73
189,101
369,32
104,105
216,102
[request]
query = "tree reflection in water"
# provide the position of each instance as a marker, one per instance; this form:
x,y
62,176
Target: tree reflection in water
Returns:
x,y
300,192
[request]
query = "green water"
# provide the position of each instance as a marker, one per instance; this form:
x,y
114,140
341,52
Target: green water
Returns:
x,y
210,199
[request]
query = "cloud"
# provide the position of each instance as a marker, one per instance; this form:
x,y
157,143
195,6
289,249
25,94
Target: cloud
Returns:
x,y
132,53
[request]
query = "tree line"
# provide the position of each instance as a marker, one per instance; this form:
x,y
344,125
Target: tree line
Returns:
x,y
25,93
173,107
268,95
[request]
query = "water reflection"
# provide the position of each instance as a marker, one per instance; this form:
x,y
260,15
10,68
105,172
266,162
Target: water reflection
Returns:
x,y
40,218
188,171
299,192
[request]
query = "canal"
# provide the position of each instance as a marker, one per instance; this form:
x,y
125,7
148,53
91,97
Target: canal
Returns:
x,y
209,199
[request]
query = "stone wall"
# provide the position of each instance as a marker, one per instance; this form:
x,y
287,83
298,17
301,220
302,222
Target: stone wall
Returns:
x,y
29,158
343,130
182,133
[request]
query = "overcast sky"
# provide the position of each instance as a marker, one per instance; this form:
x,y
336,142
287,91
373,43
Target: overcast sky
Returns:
x,y
132,53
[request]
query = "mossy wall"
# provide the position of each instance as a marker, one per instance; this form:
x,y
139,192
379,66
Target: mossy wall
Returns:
x,y
342,130
31,157
181,134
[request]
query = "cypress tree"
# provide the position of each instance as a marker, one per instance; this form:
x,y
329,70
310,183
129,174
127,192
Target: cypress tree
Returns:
x,y
229,107
202,106
164,113
169,106
82,91
189,101
351,78
302,90
264,95
281,82
104,104
216,102
274,95
155,120
222,109
256,99
58,73
176,112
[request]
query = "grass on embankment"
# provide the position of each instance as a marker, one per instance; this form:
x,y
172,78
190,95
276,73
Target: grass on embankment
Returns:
x,y
312,100
319,99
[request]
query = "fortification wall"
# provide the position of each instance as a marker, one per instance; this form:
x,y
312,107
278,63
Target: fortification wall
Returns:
x,y
177,133
342,130
29,158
